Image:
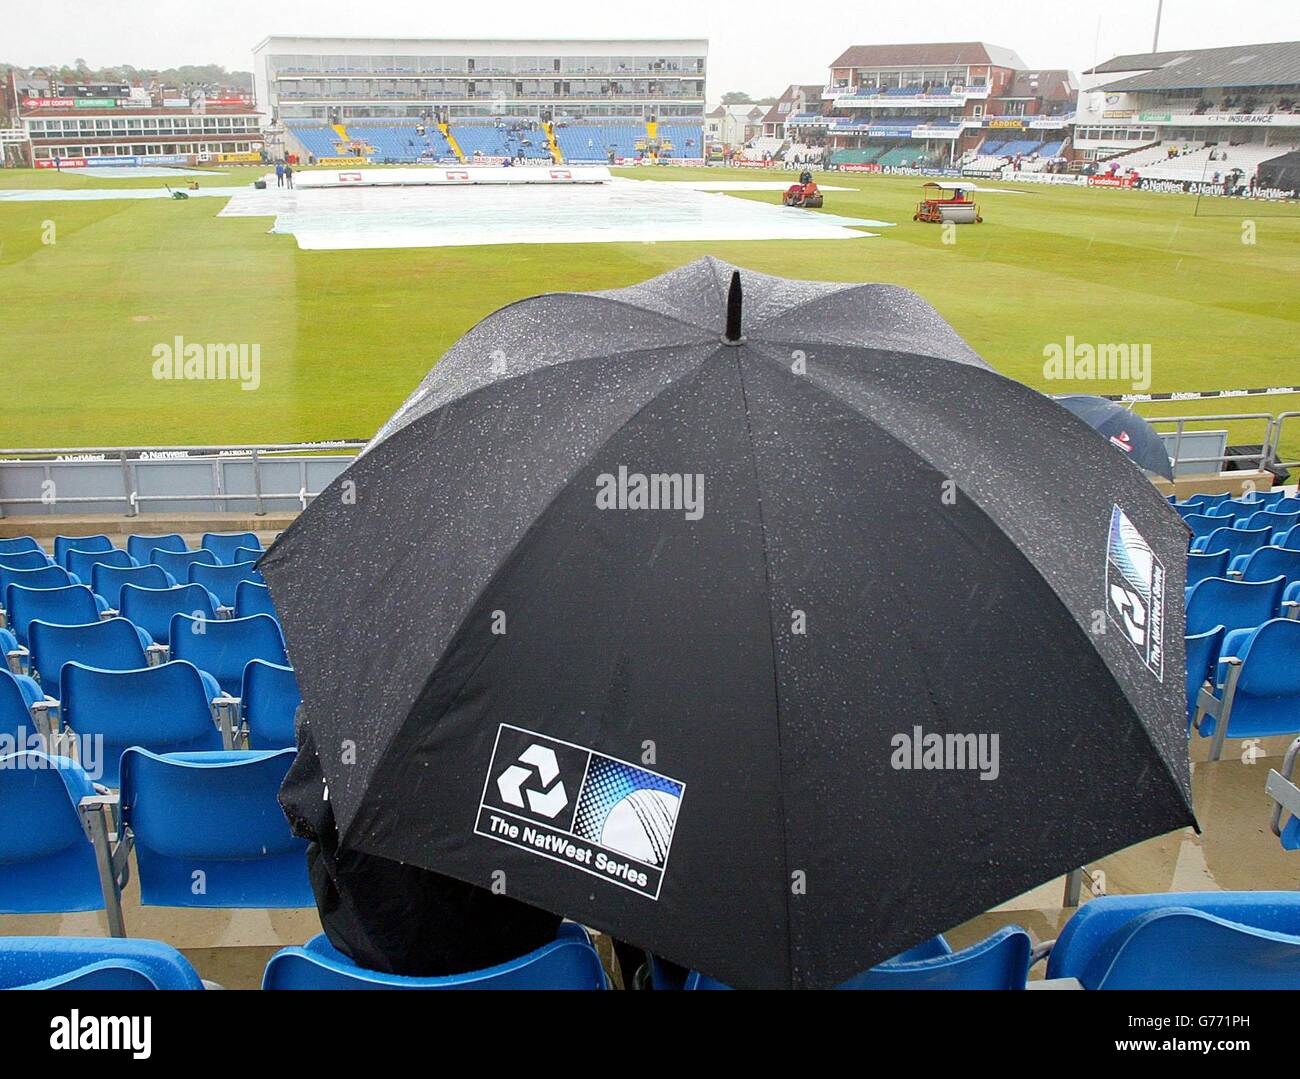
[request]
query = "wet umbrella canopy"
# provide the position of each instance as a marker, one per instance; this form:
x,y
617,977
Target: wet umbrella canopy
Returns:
x,y
708,612
1124,429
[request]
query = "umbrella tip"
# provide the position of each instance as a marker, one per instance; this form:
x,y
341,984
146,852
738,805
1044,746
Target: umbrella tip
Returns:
x,y
733,336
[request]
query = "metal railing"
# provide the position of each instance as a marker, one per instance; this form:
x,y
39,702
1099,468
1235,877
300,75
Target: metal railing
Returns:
x,y
127,463
1180,423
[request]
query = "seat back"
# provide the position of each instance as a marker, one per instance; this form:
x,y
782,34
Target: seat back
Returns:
x,y
14,544
93,963
253,598
1217,601
178,563
163,708
225,544
141,548
83,563
1103,944
270,699
24,560
107,581
569,962
1269,562
1202,652
64,544
222,580
152,609
37,577
112,645
47,863
224,647
1273,521
247,554
1267,700
1202,524
209,831
16,700
66,605
1201,566
1236,541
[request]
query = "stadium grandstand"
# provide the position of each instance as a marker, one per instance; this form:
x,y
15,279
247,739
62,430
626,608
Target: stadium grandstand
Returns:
x,y
485,100
932,104
1189,116
126,123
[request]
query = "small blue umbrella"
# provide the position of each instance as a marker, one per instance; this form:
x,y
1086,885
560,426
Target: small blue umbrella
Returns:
x,y
1123,429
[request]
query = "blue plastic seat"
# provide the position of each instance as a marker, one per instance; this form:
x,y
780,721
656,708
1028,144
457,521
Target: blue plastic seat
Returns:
x,y
25,560
1201,566
64,544
569,962
113,644
1258,690
1236,541
209,831
1291,540
47,862
82,563
166,709
1290,605
69,605
1192,940
178,563
93,963
1218,601
1204,500
247,554
224,647
1000,961
269,700
152,609
222,581
1202,654
107,581
141,548
1287,504
15,544
1265,564
1202,525
18,695
253,598
36,577
1279,523
225,544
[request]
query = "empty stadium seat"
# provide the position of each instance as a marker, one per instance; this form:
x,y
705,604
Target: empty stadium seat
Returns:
x,y
16,544
42,577
25,560
47,861
1217,601
106,581
269,700
1201,566
1233,539
253,598
999,962
570,962
113,644
166,709
64,544
247,554
1265,563
93,963
1202,655
1192,940
178,563
18,697
209,832
141,547
225,544
67,605
1258,693
222,580
152,609
1279,523
1201,525
81,563
224,647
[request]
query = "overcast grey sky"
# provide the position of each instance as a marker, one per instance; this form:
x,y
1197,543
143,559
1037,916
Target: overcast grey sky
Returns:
x,y
756,46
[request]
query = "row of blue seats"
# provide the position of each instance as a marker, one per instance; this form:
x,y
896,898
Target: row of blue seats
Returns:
x,y
1195,940
225,546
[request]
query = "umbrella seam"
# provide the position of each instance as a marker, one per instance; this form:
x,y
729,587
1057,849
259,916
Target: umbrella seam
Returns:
x,y
776,681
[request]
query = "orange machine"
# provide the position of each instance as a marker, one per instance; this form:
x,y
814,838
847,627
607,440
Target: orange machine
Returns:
x,y
805,193
944,203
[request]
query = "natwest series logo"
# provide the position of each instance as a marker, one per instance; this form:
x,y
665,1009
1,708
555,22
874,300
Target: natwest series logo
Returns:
x,y
592,812
1135,591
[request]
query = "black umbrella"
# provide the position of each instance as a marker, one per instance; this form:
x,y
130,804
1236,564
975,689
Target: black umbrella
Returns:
x,y
1124,429
728,629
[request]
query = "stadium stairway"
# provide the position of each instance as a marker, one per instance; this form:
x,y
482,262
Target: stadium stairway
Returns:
x,y
551,144
451,141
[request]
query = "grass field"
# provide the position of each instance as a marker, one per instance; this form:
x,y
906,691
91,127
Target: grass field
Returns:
x,y
345,335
